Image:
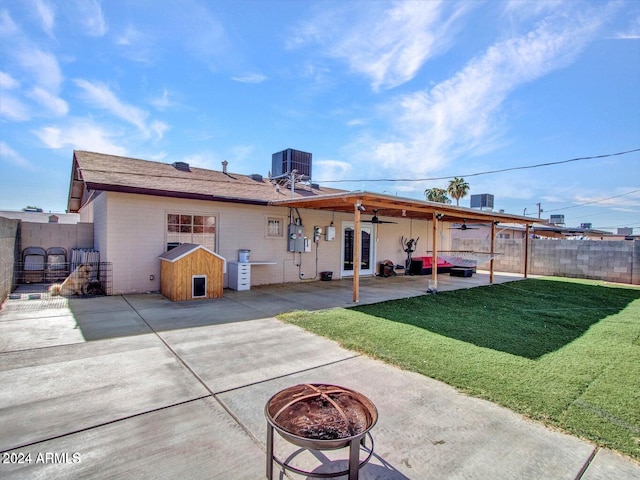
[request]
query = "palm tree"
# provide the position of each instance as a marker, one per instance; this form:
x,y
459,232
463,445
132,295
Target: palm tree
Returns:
x,y
458,188
436,195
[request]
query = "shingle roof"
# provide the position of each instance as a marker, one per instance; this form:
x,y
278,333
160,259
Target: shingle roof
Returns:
x,y
183,250
100,171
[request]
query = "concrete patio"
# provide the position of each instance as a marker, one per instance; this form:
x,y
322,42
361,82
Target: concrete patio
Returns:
x,y
137,386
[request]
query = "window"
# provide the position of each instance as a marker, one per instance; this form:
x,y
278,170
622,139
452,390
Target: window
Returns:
x,y
198,229
275,227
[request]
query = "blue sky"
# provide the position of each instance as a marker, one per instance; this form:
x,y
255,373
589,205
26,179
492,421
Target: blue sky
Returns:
x,y
374,89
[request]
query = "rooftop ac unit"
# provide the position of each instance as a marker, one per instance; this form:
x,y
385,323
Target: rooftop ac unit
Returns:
x,y
288,160
483,201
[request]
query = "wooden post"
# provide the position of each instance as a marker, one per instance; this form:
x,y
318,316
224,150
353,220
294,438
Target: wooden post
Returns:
x,y
526,250
434,260
356,254
493,241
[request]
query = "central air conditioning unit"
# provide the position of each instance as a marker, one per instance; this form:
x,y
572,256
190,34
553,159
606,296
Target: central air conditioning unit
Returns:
x,y
289,160
483,201
556,219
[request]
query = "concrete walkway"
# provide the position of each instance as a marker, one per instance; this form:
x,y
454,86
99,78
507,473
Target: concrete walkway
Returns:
x,y
137,387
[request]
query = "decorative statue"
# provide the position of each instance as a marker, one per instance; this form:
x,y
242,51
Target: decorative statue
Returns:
x,y
409,246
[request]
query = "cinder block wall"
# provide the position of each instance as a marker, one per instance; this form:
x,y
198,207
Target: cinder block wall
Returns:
x,y
64,235
8,245
612,261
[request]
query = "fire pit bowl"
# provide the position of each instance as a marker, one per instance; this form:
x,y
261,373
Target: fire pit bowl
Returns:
x,y
321,416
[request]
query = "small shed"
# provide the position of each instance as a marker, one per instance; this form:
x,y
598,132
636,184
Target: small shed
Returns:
x,y
191,272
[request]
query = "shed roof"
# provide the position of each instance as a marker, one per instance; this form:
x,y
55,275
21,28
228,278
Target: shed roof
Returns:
x,y
183,250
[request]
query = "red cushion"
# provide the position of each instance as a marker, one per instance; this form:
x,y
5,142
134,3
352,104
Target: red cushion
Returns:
x,y
427,262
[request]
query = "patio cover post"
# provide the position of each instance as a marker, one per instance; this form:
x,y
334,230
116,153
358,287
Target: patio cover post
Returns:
x,y
356,253
493,242
434,260
526,250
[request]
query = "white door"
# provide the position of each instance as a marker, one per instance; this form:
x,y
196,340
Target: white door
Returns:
x,y
367,253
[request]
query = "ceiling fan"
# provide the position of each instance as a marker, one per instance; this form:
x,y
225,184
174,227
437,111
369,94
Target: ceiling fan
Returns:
x,y
464,226
375,219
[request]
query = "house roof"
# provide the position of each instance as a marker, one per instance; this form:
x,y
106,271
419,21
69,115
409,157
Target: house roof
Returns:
x,y
100,172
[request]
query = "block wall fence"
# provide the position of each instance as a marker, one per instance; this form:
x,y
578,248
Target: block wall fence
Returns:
x,y
8,249
611,261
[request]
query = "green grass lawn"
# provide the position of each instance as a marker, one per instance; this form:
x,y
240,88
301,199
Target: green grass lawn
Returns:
x,y
564,352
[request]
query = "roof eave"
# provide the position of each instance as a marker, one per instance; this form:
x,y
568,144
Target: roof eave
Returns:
x,y
172,194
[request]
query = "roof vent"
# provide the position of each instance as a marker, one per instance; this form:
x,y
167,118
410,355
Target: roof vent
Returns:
x,y
256,176
182,166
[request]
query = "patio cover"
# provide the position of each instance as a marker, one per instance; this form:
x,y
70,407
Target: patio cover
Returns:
x,y
394,206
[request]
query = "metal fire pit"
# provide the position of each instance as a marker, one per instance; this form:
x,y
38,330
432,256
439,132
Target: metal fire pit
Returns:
x,y
321,417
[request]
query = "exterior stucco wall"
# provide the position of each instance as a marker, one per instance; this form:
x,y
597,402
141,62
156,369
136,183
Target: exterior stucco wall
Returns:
x,y
130,232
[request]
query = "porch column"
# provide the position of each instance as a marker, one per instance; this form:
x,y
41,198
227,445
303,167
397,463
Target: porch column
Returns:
x,y
493,241
434,260
526,250
356,253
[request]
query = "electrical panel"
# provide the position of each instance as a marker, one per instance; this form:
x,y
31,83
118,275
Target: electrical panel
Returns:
x,y
295,239
330,233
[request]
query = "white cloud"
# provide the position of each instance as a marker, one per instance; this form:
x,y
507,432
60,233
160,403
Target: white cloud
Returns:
x,y
47,15
7,26
13,109
158,128
102,97
54,104
332,169
462,115
202,160
81,134
43,66
163,101
387,45
137,46
9,154
632,32
250,78
7,82
89,14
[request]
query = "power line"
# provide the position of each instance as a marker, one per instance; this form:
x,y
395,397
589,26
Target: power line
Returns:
x,y
482,173
594,201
